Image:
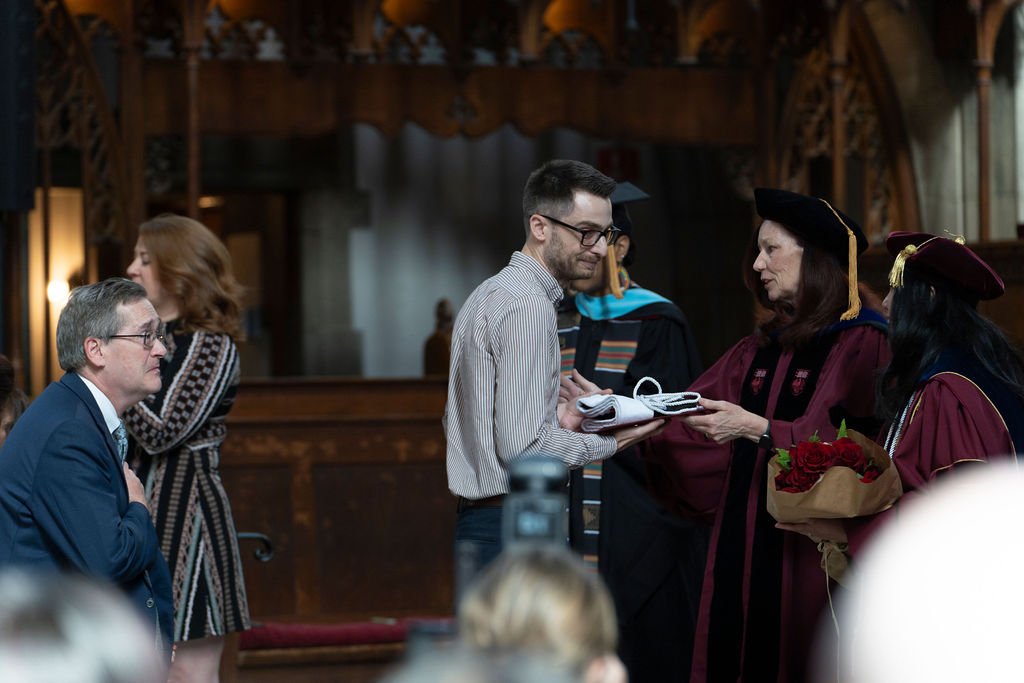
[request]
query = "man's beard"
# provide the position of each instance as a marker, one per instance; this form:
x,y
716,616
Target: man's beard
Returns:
x,y
564,264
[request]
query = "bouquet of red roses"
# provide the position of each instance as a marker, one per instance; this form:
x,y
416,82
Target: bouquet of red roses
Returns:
x,y
850,477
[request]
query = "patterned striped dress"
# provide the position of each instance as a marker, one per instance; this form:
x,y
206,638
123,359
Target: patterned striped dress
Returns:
x,y
176,436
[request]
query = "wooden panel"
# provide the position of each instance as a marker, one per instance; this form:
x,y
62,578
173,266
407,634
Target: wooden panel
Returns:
x,y
261,501
271,98
347,476
392,515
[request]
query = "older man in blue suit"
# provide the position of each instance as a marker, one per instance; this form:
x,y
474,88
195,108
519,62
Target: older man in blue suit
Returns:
x,y
68,501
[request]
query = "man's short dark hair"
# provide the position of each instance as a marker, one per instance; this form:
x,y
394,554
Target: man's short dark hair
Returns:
x,y
549,190
91,311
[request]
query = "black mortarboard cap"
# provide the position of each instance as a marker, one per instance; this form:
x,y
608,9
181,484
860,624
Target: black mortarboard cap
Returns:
x,y
624,193
813,219
821,224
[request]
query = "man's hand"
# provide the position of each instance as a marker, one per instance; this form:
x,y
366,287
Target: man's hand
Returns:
x,y
577,386
571,389
627,436
136,491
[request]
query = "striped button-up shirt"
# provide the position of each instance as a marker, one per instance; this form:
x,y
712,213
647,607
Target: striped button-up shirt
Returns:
x,y
503,384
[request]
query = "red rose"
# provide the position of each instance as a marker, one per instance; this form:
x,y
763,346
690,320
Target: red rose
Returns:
x,y
813,457
795,481
850,454
870,474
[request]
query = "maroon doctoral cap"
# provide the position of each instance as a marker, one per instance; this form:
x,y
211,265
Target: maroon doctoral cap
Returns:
x,y
945,260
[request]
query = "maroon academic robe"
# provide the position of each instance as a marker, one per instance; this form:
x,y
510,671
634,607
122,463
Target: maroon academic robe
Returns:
x,y
950,423
776,589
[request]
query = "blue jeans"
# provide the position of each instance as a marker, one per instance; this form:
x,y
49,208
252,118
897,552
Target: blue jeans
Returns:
x,y
477,543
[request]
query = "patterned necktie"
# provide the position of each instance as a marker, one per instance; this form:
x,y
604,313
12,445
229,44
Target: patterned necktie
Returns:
x,y
122,442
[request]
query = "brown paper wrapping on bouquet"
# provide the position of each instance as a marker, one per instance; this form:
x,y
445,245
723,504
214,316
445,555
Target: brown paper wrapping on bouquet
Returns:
x,y
838,494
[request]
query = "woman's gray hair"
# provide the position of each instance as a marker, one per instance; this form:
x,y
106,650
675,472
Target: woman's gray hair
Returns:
x,y
92,311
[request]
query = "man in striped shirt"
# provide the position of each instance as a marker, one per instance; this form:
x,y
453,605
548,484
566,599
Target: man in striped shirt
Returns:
x,y
503,384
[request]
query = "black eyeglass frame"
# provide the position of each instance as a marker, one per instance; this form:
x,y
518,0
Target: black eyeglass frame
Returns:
x,y
153,338
611,235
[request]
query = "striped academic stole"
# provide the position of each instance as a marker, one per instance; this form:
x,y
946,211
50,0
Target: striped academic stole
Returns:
x,y
616,351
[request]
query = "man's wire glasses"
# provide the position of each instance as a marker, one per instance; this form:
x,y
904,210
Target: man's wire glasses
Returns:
x,y
589,238
148,338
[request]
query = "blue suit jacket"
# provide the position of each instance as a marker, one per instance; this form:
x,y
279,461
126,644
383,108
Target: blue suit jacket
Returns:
x,y
64,503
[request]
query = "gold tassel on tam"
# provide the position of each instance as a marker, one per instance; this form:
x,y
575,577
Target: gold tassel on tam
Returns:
x,y
896,274
612,266
852,294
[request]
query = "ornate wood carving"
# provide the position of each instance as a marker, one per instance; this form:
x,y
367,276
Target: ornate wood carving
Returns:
x,y
73,111
810,132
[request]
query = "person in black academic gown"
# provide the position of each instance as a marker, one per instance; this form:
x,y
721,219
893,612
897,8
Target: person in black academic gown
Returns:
x,y
614,333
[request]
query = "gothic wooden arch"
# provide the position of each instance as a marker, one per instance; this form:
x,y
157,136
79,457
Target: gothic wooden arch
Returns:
x,y
841,106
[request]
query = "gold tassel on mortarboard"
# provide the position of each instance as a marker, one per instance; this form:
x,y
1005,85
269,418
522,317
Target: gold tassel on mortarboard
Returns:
x,y
896,274
612,266
852,294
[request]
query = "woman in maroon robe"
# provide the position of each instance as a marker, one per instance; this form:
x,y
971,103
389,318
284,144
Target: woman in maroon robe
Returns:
x,y
953,392
810,363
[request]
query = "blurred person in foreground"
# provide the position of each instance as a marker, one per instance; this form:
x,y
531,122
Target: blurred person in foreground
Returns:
x,y
937,594
503,387
540,600
61,628
457,664
68,499
177,432
614,333
810,363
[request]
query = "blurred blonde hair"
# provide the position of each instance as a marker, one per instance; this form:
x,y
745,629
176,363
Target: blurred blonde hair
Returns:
x,y
66,628
540,600
193,265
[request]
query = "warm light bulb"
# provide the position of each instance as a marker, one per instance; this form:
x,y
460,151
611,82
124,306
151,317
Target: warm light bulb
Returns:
x,y
58,291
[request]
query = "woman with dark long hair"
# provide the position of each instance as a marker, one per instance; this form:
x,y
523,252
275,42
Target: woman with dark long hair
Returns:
x,y
811,362
176,434
954,390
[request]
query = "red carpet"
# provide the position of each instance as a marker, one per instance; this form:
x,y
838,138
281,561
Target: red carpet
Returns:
x,y
273,635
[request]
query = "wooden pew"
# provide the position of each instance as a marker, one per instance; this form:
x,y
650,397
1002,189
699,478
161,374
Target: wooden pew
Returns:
x,y
347,478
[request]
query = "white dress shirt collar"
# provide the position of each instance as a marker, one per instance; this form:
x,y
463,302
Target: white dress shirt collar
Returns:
x,y
105,405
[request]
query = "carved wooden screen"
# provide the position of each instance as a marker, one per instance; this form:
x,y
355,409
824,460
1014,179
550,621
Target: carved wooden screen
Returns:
x,y
808,133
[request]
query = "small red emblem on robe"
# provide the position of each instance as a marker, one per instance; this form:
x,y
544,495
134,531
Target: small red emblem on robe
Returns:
x,y
758,381
799,382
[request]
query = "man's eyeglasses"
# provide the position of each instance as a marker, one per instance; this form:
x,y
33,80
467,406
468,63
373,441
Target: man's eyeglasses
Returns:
x,y
589,238
148,338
